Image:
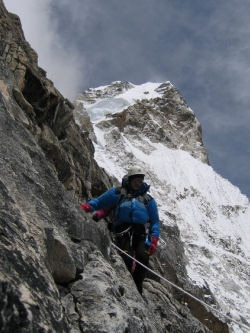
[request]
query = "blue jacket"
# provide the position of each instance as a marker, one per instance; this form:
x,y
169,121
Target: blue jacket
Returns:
x,y
131,209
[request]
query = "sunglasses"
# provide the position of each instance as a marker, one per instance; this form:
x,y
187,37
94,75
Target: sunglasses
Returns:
x,y
138,180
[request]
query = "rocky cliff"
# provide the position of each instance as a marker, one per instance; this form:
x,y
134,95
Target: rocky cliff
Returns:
x,y
58,271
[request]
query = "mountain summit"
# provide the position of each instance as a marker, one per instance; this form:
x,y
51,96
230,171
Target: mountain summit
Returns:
x,y
152,126
156,111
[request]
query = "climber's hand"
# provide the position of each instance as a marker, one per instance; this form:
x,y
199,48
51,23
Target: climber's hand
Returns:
x,y
86,207
153,246
96,217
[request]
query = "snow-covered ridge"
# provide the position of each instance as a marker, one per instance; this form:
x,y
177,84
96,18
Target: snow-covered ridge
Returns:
x,y
114,98
212,215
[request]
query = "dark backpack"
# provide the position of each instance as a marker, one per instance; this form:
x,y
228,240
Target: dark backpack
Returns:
x,y
145,198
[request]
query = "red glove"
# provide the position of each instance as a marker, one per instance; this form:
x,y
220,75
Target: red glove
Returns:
x,y
98,215
86,207
101,213
153,246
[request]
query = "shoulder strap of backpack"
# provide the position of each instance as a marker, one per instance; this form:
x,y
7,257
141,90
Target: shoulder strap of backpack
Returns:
x,y
123,193
146,198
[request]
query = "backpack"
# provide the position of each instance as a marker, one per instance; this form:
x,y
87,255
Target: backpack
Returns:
x,y
131,209
145,198
108,214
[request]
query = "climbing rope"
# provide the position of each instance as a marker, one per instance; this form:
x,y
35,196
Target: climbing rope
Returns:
x,y
180,289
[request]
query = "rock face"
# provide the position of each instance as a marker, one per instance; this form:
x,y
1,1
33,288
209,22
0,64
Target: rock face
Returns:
x,y
58,271
46,113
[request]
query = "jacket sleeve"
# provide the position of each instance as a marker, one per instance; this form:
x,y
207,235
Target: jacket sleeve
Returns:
x,y
154,227
107,200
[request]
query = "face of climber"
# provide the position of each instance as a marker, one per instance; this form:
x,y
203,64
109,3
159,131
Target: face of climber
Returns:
x,y
136,182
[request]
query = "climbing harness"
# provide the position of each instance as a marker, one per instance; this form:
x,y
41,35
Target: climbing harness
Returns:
x,y
180,289
118,234
127,232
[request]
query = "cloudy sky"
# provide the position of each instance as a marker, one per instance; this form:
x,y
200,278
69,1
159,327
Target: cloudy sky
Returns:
x,y
200,46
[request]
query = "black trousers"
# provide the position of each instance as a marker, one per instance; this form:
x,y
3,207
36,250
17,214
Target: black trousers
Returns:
x,y
133,243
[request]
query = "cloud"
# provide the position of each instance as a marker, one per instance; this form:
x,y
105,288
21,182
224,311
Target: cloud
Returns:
x,y
64,66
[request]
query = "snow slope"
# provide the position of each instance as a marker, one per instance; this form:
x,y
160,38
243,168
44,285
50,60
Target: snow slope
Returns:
x,y
212,215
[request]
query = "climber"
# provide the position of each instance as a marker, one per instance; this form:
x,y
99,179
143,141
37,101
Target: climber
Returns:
x,y
135,221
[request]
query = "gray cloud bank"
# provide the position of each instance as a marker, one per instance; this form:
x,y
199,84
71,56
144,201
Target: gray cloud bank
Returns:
x,y
200,46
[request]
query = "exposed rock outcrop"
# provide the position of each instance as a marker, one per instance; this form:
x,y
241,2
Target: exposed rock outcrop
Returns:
x,y
47,114
58,271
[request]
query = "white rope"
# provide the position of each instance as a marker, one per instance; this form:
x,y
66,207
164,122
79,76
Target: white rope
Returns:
x,y
179,288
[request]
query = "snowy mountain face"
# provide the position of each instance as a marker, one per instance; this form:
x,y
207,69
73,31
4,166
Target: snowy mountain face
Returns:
x,y
152,126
